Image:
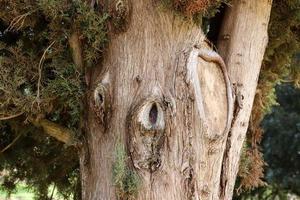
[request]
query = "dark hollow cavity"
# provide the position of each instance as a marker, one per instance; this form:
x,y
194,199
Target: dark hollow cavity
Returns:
x,y
153,114
100,98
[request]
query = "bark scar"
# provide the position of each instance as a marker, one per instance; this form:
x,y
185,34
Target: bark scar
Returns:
x,y
212,56
146,128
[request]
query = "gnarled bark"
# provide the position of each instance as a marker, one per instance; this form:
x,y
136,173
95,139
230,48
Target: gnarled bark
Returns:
x,y
167,106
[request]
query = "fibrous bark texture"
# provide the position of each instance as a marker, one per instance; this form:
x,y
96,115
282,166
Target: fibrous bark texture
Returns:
x,y
168,107
242,43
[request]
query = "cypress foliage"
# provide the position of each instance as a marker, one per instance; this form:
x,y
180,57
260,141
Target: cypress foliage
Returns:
x,y
38,79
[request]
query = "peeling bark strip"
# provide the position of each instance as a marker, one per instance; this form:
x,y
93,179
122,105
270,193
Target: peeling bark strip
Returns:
x,y
167,106
193,78
242,42
212,56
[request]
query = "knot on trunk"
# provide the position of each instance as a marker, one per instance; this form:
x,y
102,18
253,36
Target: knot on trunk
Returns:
x,y
102,105
119,11
151,116
146,126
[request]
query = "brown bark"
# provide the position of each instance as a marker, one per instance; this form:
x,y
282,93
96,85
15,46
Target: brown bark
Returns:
x,y
154,95
242,43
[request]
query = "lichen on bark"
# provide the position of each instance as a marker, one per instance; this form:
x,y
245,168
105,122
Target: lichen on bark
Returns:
x,y
126,180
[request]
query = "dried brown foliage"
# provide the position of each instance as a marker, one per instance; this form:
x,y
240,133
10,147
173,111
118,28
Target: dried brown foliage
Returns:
x,y
191,7
252,164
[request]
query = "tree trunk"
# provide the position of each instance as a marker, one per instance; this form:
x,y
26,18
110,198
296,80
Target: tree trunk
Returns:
x,y
168,107
242,43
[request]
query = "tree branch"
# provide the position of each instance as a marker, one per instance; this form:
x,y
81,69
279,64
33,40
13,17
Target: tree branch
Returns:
x,y
40,74
2,118
12,143
57,131
75,46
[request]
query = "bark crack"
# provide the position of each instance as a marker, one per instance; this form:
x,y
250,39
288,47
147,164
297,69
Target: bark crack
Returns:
x,y
238,105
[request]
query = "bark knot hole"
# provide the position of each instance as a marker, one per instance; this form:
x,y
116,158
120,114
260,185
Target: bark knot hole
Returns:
x,y
147,130
100,98
99,95
151,116
101,105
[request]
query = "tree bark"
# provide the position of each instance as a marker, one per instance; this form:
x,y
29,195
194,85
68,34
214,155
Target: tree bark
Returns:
x,y
155,96
242,43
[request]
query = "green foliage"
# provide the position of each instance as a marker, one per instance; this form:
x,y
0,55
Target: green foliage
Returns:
x,y
93,28
54,21
38,78
38,161
16,76
68,90
284,43
125,179
282,138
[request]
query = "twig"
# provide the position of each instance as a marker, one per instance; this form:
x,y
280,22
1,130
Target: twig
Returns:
x,y
51,197
287,81
11,116
18,20
40,73
12,143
